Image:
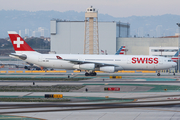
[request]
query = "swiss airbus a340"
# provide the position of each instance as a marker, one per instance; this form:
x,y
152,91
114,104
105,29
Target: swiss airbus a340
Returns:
x,y
90,63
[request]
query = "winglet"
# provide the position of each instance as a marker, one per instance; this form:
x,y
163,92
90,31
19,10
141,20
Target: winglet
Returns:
x,y
18,43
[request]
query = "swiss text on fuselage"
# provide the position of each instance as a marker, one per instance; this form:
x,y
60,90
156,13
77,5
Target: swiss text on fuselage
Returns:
x,y
145,60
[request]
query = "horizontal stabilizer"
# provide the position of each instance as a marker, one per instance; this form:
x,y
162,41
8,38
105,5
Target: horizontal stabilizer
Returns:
x,y
22,56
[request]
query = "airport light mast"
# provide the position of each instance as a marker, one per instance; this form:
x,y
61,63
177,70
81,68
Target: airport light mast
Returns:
x,y
178,24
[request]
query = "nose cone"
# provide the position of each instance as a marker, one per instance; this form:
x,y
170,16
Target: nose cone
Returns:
x,y
174,64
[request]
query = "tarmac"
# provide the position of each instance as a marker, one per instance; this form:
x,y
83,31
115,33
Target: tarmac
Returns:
x,y
146,96
137,113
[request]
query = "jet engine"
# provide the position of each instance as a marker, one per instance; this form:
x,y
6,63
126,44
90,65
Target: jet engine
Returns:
x,y
88,66
110,69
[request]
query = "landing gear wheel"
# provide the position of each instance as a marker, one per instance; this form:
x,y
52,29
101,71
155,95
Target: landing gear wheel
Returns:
x,y
86,74
91,74
95,74
158,74
173,73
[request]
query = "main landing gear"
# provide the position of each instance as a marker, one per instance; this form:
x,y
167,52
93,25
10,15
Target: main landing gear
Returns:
x,y
90,74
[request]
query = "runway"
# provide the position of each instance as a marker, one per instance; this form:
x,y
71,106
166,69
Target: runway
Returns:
x,y
140,97
146,107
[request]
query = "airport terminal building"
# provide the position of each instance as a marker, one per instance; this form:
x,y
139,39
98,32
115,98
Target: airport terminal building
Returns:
x,y
166,47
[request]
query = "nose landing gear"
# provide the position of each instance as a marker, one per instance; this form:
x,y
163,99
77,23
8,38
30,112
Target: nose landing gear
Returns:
x,y
158,74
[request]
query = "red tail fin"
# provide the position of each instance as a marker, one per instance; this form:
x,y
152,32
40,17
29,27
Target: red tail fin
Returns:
x,y
18,43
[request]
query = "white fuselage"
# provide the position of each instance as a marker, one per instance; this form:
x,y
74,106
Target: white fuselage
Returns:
x,y
125,62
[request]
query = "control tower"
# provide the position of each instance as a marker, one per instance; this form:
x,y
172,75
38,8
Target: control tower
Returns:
x,y
91,38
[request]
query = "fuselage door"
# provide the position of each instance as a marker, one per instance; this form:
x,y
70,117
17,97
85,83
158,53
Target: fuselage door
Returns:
x,y
160,61
40,58
128,60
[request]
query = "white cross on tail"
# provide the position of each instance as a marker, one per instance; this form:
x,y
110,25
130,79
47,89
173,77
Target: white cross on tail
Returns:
x,y
18,42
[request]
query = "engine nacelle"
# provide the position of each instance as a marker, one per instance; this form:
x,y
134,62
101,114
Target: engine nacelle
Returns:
x,y
110,69
88,66
118,68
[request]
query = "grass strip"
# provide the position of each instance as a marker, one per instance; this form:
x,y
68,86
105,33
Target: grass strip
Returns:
x,y
54,88
154,89
33,100
43,78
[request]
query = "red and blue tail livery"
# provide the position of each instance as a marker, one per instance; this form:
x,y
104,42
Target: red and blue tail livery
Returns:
x,y
121,51
176,57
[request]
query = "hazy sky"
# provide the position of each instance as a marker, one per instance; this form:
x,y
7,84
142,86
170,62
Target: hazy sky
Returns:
x,y
116,8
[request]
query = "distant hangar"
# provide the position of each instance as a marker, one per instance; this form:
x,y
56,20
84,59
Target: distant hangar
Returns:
x,y
67,37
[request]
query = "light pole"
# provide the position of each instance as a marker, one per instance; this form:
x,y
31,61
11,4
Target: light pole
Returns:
x,y
178,24
126,51
161,50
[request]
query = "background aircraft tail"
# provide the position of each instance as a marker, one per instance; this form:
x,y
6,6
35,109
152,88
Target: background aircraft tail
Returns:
x,y
121,51
176,56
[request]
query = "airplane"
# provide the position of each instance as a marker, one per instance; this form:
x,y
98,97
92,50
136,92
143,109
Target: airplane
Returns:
x,y
176,57
121,51
89,63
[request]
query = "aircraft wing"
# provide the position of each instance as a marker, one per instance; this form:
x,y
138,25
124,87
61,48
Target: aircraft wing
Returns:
x,y
84,62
